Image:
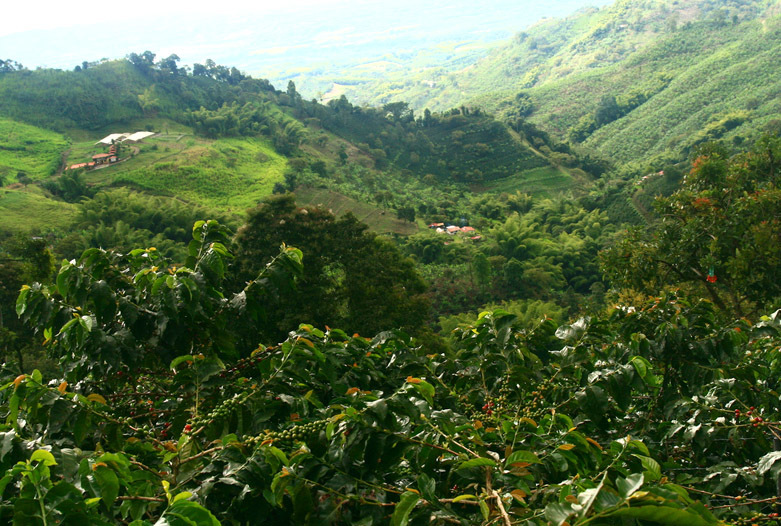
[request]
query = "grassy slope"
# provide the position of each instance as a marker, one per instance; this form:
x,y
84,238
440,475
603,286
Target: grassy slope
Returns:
x,y
28,149
722,57
378,219
28,209
230,174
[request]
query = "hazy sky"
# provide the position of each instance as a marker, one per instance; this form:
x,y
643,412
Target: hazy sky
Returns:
x,y
260,37
27,15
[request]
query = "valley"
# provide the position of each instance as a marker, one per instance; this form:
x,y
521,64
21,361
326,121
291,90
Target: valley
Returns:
x,y
488,273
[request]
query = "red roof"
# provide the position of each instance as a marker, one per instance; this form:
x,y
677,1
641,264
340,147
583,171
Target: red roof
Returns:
x,y
102,155
467,229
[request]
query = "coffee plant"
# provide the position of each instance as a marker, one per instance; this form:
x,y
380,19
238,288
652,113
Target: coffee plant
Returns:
x,y
171,413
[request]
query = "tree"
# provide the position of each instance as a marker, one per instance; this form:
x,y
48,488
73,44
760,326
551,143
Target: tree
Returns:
x,y
607,111
24,259
399,111
597,422
8,66
406,213
199,70
145,62
351,277
719,234
295,97
169,64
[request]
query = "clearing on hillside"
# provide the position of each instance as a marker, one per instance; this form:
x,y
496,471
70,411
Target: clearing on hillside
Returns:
x,y
379,219
28,150
28,210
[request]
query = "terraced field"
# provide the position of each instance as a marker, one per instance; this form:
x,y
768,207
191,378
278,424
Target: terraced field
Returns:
x,y
544,181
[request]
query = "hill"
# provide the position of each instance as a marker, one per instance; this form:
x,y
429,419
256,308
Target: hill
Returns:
x,y
28,152
241,131
637,82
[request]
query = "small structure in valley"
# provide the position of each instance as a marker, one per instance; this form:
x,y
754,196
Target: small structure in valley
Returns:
x,y
103,158
111,139
114,141
138,136
122,137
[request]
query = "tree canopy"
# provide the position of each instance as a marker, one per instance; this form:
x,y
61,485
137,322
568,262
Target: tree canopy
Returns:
x,y
719,234
616,418
352,278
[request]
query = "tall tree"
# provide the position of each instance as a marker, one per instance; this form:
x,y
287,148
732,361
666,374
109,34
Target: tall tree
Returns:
x,y
719,234
352,278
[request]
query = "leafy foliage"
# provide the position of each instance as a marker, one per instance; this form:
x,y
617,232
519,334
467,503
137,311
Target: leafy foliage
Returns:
x,y
719,232
352,278
103,306
584,424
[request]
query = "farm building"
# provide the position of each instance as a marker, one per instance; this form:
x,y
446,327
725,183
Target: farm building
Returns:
x,y
103,158
138,136
121,137
108,139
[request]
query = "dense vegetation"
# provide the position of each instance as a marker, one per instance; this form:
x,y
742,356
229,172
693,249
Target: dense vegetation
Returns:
x,y
618,417
639,82
292,365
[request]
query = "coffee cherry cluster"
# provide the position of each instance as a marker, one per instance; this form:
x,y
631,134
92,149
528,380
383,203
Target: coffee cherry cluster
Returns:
x,y
223,410
504,393
756,517
755,421
296,433
535,406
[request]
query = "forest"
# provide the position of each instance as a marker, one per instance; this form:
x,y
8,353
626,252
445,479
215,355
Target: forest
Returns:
x,y
282,311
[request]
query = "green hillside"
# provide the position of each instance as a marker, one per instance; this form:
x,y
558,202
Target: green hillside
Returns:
x,y
230,173
612,213
636,81
226,140
28,151
30,210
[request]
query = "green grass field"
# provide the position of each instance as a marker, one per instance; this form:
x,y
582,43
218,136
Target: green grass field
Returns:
x,y
379,219
29,210
34,151
230,174
544,181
